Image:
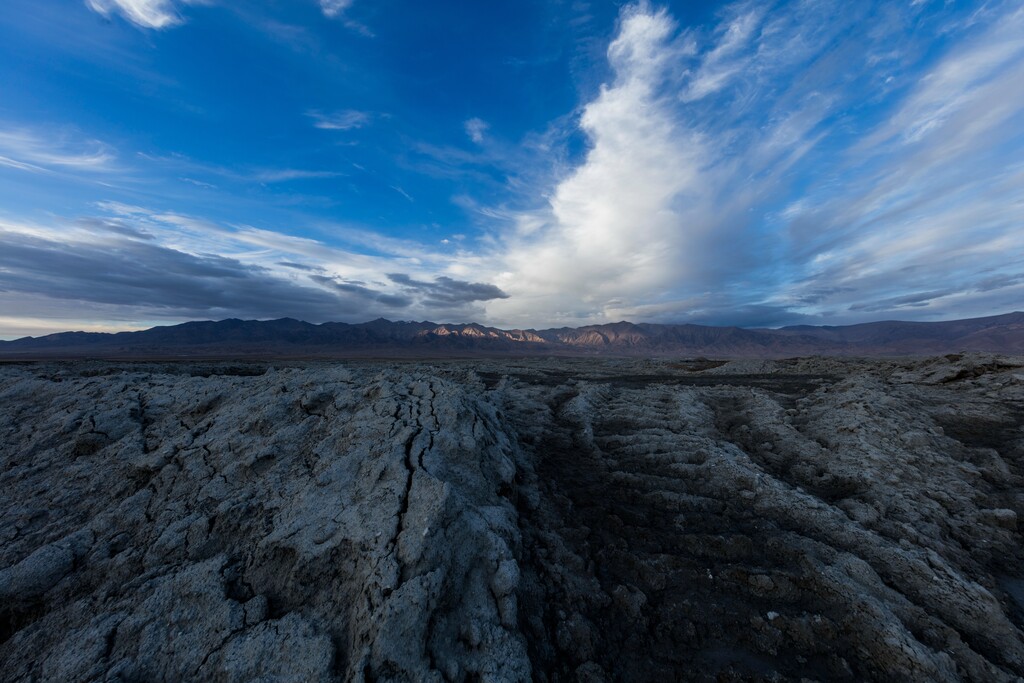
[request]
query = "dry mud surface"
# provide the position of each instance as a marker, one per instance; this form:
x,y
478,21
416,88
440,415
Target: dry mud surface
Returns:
x,y
569,520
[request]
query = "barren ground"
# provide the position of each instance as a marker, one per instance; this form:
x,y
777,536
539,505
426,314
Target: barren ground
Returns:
x,y
554,520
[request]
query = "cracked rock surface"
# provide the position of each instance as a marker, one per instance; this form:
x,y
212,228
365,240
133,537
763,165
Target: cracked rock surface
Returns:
x,y
553,520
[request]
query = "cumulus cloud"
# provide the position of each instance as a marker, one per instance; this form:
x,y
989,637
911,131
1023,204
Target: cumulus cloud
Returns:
x,y
612,228
153,14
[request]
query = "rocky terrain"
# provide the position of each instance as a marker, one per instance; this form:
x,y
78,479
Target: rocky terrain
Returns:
x,y
554,520
289,338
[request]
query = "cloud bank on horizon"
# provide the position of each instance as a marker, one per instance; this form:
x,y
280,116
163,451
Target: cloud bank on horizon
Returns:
x,y
531,165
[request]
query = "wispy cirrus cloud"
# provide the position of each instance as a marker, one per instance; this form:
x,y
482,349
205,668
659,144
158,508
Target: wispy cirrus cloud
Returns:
x,y
937,193
729,56
149,14
181,164
334,8
283,175
44,151
164,14
347,119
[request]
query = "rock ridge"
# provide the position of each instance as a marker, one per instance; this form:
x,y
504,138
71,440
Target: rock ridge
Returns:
x,y
383,338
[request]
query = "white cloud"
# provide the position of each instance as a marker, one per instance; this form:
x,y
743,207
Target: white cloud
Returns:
x,y
121,209
21,165
133,263
180,164
347,119
613,229
154,14
728,57
402,192
475,129
284,175
956,82
334,8
759,191
38,151
755,172
943,200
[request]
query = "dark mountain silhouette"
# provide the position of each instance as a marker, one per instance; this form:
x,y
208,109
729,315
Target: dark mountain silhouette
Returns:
x,y
293,338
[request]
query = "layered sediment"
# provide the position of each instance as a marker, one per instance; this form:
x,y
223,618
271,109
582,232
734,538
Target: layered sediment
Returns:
x,y
553,520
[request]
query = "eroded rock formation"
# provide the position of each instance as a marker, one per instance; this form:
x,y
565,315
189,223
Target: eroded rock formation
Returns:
x,y
556,520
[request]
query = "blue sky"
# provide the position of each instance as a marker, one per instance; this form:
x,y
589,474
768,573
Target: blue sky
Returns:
x,y
523,164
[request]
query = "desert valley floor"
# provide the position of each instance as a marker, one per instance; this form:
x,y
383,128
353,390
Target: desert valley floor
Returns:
x,y
553,520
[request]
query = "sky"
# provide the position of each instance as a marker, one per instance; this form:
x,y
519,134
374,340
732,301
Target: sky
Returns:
x,y
516,163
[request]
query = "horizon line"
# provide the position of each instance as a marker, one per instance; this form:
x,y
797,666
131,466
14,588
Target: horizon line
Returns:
x,y
4,338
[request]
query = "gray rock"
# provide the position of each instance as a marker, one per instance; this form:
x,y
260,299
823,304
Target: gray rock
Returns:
x,y
563,520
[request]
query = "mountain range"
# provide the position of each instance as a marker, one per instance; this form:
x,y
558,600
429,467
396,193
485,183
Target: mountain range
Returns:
x,y
289,338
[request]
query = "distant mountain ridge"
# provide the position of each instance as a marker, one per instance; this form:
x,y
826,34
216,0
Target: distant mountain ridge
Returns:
x,y
287,337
